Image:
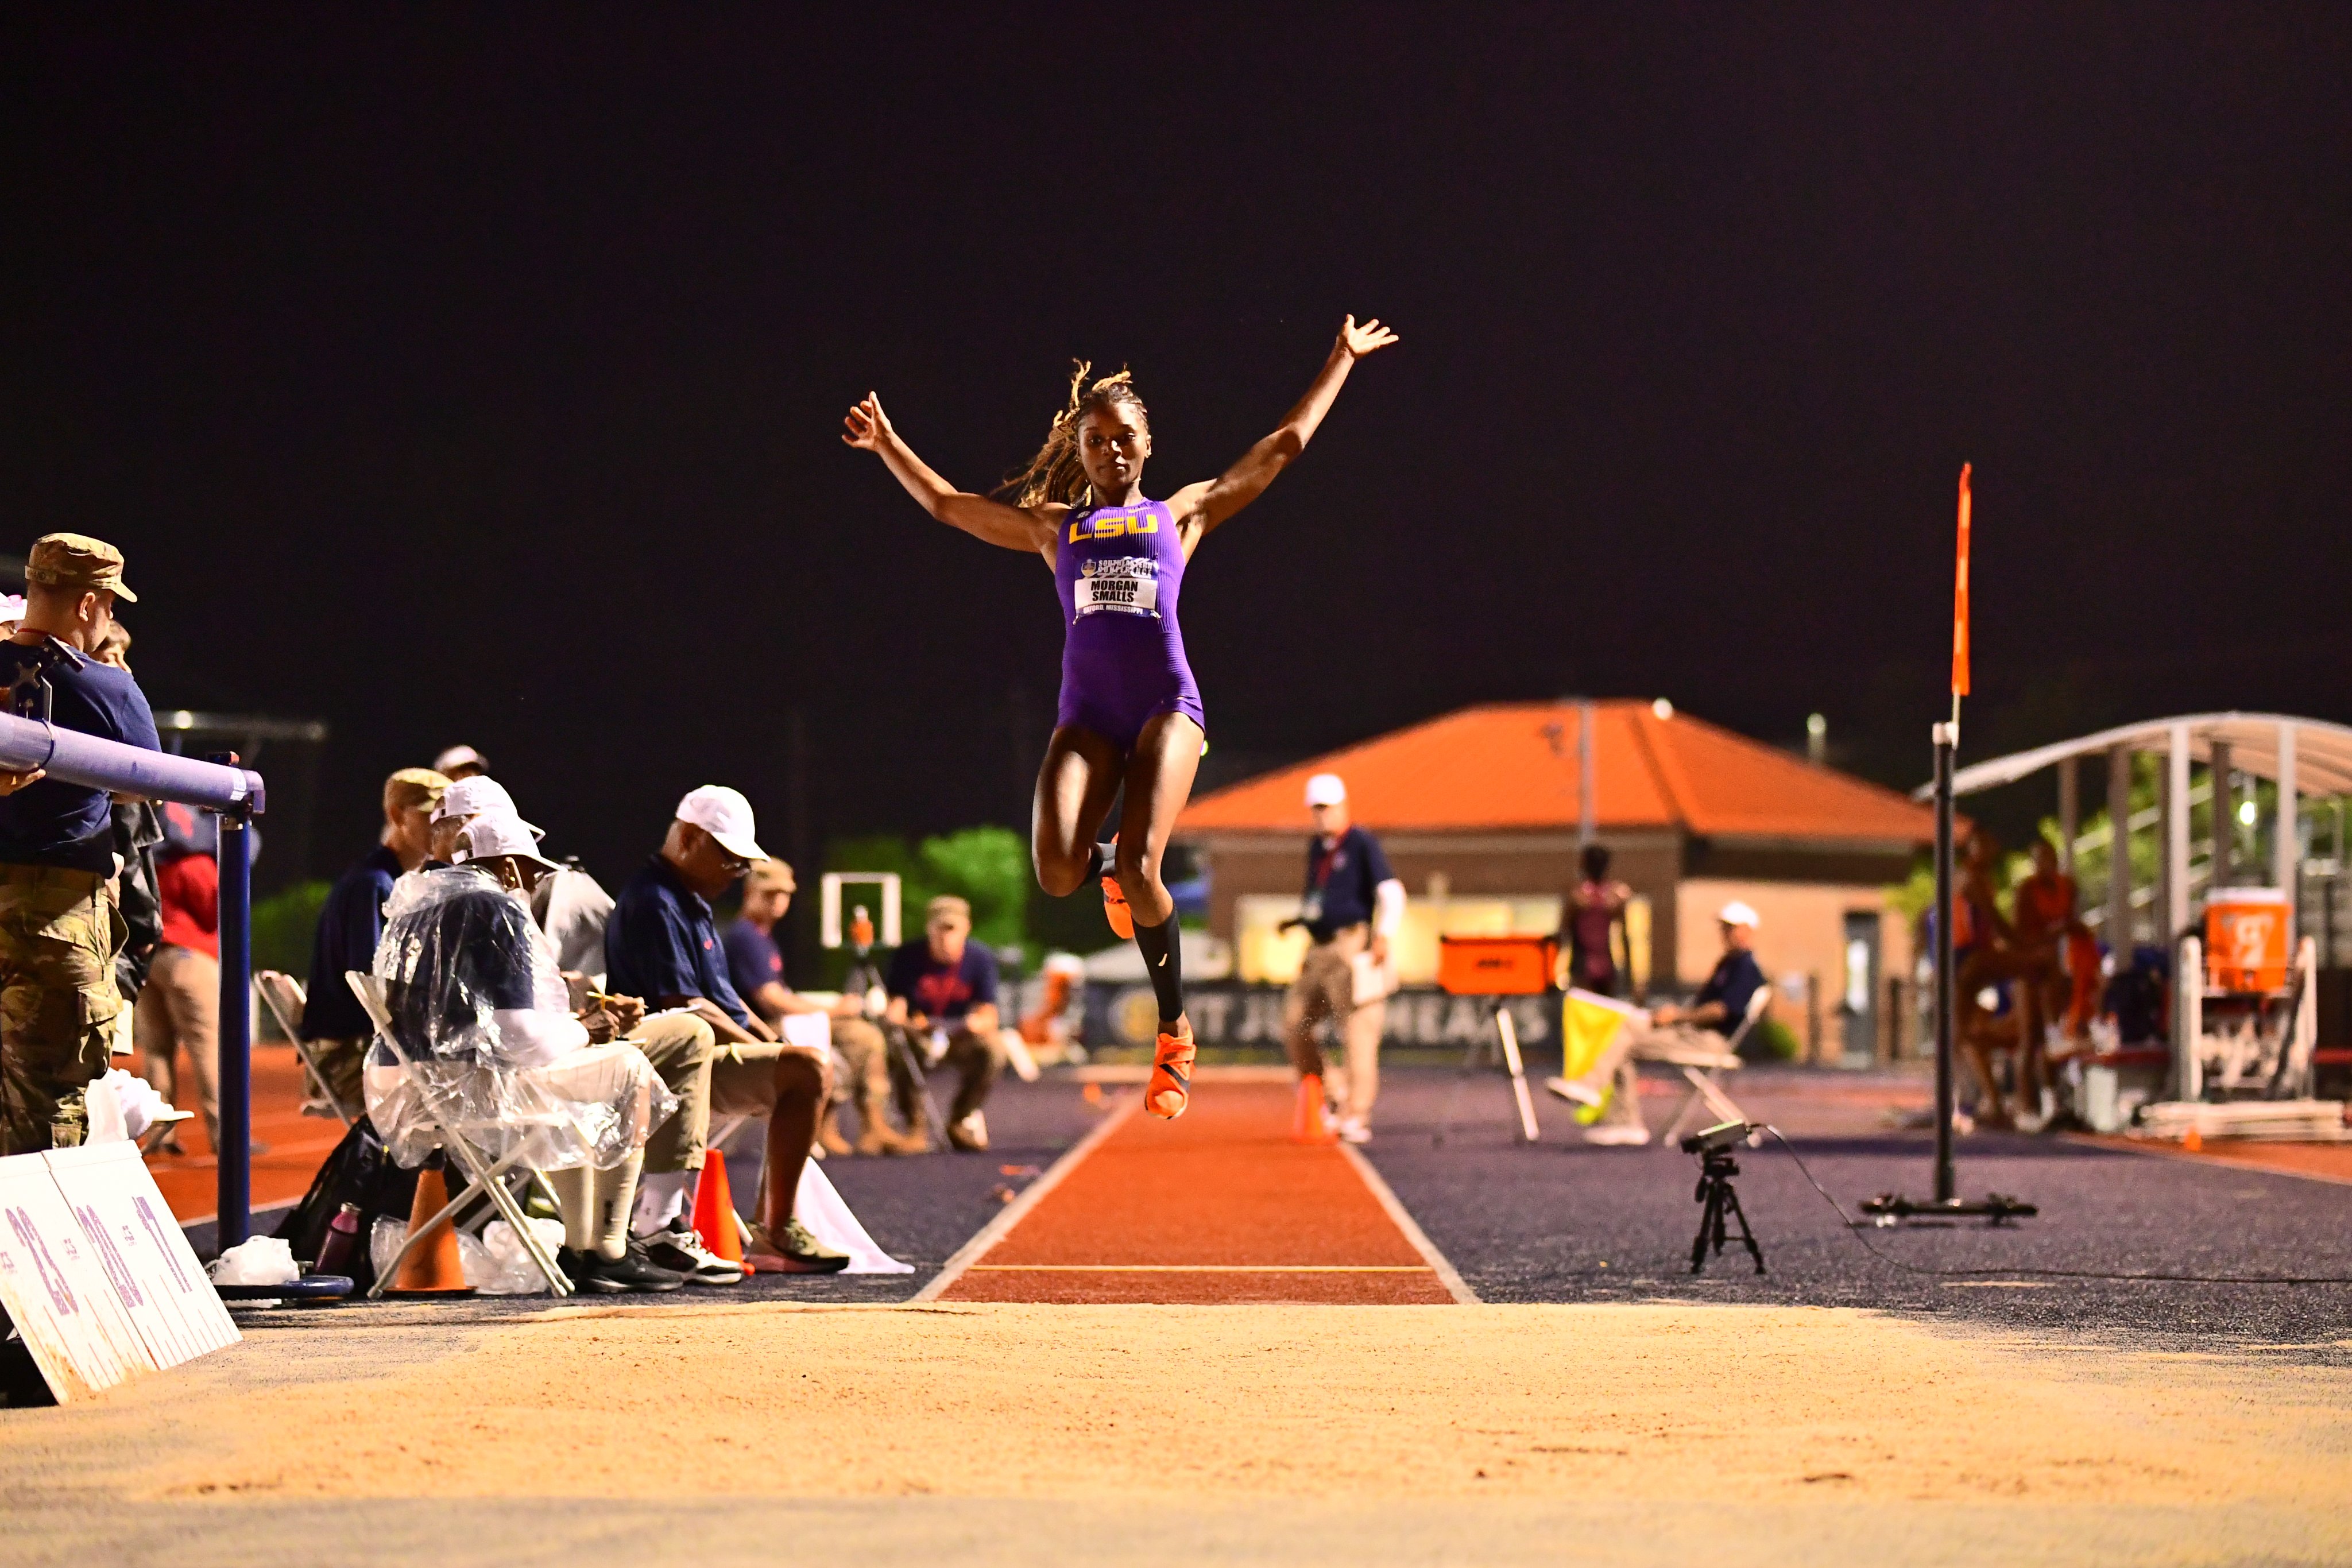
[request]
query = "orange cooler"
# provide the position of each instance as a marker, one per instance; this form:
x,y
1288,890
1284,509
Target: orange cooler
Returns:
x,y
2246,939
1496,966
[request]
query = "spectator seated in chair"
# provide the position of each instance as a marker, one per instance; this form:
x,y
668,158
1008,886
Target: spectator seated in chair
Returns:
x,y
662,944
943,991
1694,1036
496,1055
350,925
756,967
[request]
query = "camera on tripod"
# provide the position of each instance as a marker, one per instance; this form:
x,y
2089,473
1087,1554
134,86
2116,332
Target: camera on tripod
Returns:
x,y
1713,1145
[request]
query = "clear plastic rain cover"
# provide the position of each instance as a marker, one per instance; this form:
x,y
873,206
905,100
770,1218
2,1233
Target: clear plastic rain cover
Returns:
x,y
481,1012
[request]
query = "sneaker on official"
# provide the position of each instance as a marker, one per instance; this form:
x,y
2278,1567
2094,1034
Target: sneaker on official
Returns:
x,y
792,1251
678,1246
1355,1130
969,1132
593,1273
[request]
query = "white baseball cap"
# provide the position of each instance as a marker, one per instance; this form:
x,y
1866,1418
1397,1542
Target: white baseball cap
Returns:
x,y
724,815
1326,790
500,833
1732,914
476,796
459,756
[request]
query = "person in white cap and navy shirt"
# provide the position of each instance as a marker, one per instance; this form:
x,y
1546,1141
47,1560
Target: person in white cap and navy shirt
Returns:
x,y
1351,905
1690,1035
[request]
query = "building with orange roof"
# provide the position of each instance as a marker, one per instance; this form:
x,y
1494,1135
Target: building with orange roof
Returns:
x,y
1483,812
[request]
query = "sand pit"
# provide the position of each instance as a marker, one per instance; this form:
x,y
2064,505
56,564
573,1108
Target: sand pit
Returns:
x,y
985,1400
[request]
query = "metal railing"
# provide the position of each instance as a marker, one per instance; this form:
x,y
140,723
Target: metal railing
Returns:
x,y
237,794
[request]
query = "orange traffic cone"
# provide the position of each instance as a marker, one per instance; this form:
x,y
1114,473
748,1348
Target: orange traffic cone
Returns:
x,y
1308,1126
714,1211
2193,1140
433,1266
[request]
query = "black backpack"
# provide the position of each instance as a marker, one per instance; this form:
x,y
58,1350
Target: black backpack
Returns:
x,y
359,1171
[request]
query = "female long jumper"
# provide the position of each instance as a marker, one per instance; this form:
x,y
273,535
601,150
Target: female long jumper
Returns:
x,y
1129,711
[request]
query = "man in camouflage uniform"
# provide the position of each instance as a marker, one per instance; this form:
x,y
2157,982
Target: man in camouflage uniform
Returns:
x,y
58,924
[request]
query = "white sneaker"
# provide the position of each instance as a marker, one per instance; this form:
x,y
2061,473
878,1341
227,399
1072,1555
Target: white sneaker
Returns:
x,y
1618,1134
1573,1090
1355,1130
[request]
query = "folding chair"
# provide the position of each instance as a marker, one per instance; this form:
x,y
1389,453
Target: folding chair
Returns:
x,y
484,1177
283,996
1706,1072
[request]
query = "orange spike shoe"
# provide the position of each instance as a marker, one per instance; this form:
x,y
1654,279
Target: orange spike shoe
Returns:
x,y
1114,909
1171,1089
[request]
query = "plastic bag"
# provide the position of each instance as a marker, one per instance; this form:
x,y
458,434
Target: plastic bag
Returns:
x,y
263,1261
384,1243
121,1105
507,1267
482,1016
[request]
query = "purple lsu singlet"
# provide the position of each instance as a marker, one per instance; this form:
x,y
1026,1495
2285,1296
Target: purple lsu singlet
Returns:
x,y
1118,571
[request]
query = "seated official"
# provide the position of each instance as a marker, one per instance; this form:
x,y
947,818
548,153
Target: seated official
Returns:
x,y
486,1022
662,944
58,999
756,967
1697,1036
351,922
943,990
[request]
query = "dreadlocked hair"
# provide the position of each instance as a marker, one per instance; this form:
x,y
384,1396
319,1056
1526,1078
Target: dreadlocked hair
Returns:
x,y
1055,473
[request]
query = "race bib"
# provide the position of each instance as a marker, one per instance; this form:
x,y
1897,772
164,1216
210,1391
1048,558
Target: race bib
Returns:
x,y
1129,584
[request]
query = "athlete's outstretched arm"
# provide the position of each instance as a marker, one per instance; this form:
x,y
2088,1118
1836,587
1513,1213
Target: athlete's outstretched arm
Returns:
x,y
1213,502
1014,527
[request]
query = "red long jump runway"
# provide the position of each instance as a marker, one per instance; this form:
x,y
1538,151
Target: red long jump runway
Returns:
x,y
1218,1205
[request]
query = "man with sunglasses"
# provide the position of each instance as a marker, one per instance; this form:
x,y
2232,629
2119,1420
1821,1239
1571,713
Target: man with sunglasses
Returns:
x,y
663,944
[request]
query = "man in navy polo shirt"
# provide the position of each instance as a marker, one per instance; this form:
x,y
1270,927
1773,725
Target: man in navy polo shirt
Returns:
x,y
58,923
662,944
944,987
1351,905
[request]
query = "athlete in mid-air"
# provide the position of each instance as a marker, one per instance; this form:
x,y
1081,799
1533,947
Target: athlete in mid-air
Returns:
x,y
1130,712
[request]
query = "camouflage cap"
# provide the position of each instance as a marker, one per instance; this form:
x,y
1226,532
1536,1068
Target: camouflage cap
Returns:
x,y
77,560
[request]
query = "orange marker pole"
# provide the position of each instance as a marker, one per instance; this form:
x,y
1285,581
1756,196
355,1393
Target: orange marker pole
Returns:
x,y
1960,609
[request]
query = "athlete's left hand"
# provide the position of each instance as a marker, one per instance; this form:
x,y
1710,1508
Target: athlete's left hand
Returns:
x,y
1380,951
1357,341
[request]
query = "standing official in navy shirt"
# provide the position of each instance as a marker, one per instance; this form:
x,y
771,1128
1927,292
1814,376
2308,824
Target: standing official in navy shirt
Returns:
x,y
1351,906
60,927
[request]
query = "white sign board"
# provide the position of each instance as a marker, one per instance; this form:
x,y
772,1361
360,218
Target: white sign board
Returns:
x,y
95,1273
145,1253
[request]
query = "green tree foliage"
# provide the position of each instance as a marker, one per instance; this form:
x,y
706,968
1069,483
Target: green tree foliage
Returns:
x,y
283,926
988,867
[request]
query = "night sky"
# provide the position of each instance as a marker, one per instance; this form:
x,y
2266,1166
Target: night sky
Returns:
x,y
465,374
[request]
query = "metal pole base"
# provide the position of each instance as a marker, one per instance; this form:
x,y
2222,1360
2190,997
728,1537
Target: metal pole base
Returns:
x,y
1996,1207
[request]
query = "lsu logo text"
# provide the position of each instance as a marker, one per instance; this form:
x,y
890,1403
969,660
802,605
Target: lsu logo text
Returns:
x,y
1099,526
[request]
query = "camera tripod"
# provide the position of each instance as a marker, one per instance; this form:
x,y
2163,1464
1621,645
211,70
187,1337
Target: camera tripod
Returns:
x,y
1716,1169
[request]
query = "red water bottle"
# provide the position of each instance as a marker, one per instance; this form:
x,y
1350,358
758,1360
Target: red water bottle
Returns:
x,y
342,1239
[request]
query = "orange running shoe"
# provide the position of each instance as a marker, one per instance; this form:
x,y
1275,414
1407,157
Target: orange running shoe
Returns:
x,y
1115,910
1171,1089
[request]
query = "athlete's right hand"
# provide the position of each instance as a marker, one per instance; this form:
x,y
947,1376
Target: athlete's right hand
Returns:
x,y
867,425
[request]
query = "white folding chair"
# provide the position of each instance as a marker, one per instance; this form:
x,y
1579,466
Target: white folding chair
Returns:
x,y
482,1174
1706,1075
283,995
